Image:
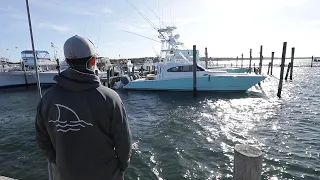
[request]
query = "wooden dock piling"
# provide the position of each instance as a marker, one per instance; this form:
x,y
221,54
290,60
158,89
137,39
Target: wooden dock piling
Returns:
x,y
194,69
25,74
260,64
311,61
58,65
236,62
292,58
288,69
272,57
242,60
206,53
269,66
250,60
108,77
247,162
284,49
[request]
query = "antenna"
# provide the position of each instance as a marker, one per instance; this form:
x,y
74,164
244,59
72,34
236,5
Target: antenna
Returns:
x,y
171,43
155,14
159,12
155,52
171,15
98,37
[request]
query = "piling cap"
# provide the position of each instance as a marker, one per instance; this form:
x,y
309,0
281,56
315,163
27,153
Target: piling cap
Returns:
x,y
247,150
78,47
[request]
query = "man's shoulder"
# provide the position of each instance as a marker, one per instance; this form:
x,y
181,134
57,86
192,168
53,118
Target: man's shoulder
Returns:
x,y
108,93
50,91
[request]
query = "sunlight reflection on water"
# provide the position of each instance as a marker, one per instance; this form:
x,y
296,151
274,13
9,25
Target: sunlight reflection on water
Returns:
x,y
178,137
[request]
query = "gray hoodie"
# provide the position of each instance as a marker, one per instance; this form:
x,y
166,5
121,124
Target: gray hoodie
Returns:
x,y
82,127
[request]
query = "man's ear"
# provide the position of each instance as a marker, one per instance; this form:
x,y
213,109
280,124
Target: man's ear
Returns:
x,y
93,61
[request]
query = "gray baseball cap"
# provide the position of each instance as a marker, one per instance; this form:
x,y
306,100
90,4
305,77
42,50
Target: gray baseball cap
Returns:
x,y
78,47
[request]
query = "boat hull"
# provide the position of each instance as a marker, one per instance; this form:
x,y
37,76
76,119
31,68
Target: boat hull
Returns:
x,y
213,83
46,77
15,79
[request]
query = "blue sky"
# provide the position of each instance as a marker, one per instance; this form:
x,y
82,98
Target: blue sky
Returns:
x,y
226,27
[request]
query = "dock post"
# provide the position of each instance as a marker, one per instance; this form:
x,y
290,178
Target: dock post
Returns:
x,y
269,64
58,65
292,58
260,64
272,57
237,62
250,60
132,70
25,74
112,72
242,60
206,53
282,68
194,69
247,162
288,69
311,61
108,77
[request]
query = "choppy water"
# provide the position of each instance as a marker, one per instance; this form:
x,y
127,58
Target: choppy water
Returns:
x,y
178,137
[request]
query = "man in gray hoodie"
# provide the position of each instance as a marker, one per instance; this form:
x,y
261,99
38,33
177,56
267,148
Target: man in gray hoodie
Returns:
x,y
82,126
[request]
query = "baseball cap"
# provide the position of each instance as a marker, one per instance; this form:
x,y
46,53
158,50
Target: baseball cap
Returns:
x,y
77,47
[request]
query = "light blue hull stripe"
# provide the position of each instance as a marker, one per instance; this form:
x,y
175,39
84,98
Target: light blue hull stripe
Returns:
x,y
215,83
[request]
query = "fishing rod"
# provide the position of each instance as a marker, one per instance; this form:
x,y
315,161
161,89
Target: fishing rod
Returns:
x,y
12,52
38,81
147,19
141,36
142,15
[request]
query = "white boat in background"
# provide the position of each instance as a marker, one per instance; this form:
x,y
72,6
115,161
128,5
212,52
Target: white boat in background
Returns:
x,y
13,77
47,68
175,72
177,76
148,63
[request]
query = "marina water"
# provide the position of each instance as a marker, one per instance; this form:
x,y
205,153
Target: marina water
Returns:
x,y
178,137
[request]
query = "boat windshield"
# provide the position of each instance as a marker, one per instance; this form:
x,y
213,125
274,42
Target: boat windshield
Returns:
x,y
39,54
201,68
186,68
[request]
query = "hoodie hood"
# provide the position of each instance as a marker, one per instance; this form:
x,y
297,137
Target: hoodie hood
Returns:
x,y
74,80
